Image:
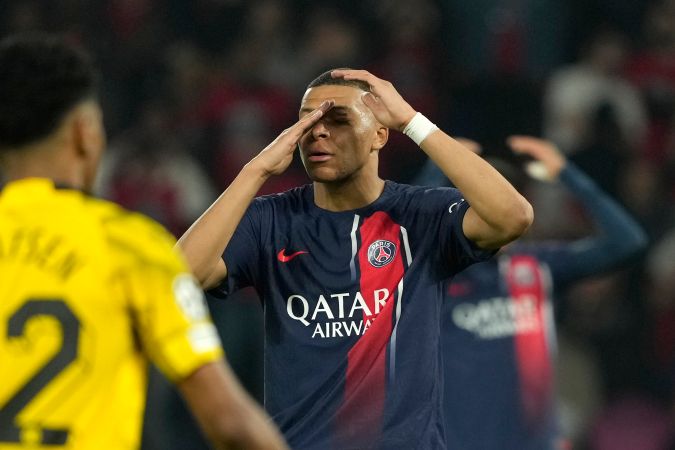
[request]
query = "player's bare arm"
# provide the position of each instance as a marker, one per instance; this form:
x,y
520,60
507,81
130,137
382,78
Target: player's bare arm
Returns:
x,y
205,241
228,416
498,213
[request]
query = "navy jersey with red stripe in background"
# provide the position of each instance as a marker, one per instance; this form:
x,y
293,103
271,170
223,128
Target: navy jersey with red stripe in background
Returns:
x,y
352,303
498,330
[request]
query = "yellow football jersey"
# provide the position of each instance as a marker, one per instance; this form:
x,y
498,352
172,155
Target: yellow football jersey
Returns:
x,y
88,289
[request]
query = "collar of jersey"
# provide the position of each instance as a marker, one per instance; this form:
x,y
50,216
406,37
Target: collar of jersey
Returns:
x,y
31,187
362,211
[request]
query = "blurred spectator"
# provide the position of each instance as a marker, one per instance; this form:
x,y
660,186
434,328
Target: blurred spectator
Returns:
x,y
498,37
586,16
244,112
605,148
270,25
130,44
652,69
576,94
595,116
643,188
408,57
211,24
244,132
331,38
189,84
148,171
603,312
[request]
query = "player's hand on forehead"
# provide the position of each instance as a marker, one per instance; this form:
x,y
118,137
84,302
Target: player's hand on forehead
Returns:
x,y
387,105
293,133
308,120
277,156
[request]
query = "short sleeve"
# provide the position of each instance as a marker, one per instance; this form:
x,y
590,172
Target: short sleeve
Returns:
x,y
168,306
455,250
242,254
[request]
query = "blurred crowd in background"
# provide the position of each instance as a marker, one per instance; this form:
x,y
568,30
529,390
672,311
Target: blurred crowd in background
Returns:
x,y
193,89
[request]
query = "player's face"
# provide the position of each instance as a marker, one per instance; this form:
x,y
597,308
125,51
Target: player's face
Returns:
x,y
344,141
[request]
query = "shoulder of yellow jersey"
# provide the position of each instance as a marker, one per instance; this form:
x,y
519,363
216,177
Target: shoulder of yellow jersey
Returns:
x,y
137,236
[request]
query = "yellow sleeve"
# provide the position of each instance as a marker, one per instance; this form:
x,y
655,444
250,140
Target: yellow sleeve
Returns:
x,y
169,309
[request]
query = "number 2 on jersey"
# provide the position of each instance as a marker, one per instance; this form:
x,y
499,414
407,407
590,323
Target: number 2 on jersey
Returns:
x,y
70,325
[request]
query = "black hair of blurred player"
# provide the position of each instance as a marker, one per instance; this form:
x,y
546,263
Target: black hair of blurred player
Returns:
x,y
50,118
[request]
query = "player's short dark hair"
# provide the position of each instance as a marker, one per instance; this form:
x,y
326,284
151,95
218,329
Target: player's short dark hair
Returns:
x,y
326,79
41,78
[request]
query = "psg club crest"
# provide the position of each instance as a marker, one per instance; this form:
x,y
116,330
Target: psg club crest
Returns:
x,y
381,253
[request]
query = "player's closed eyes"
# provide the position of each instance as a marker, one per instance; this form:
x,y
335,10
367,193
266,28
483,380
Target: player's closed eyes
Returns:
x,y
339,120
338,116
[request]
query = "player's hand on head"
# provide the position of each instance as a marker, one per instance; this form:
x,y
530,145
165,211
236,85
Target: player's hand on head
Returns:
x,y
277,156
548,159
387,105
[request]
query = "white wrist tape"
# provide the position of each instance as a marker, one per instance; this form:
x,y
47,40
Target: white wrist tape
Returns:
x,y
419,128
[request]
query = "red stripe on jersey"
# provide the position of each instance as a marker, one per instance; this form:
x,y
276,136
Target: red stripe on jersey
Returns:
x,y
528,292
359,418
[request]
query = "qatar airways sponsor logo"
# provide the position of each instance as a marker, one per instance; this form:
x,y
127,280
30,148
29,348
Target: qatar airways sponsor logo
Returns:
x,y
336,315
498,317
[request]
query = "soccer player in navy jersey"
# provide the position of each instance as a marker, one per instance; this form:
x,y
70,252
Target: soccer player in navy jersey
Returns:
x,y
497,326
351,268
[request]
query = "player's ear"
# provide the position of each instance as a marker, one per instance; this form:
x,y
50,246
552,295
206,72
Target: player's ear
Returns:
x,y
381,137
88,140
88,130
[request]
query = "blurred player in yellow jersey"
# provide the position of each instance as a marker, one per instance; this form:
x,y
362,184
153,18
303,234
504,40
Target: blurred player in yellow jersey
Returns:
x,y
87,289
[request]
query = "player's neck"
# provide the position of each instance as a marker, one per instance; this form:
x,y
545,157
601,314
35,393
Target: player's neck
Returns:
x,y
40,161
349,194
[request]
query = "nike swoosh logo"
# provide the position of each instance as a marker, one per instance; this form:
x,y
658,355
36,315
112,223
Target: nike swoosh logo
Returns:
x,y
285,258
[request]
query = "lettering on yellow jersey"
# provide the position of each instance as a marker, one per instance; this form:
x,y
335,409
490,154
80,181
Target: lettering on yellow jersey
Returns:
x,y
41,248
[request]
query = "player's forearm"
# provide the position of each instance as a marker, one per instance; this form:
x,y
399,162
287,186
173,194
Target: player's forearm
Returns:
x,y
226,413
492,198
205,241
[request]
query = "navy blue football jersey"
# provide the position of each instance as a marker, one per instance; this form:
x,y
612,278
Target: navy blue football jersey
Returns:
x,y
498,330
498,335
352,303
